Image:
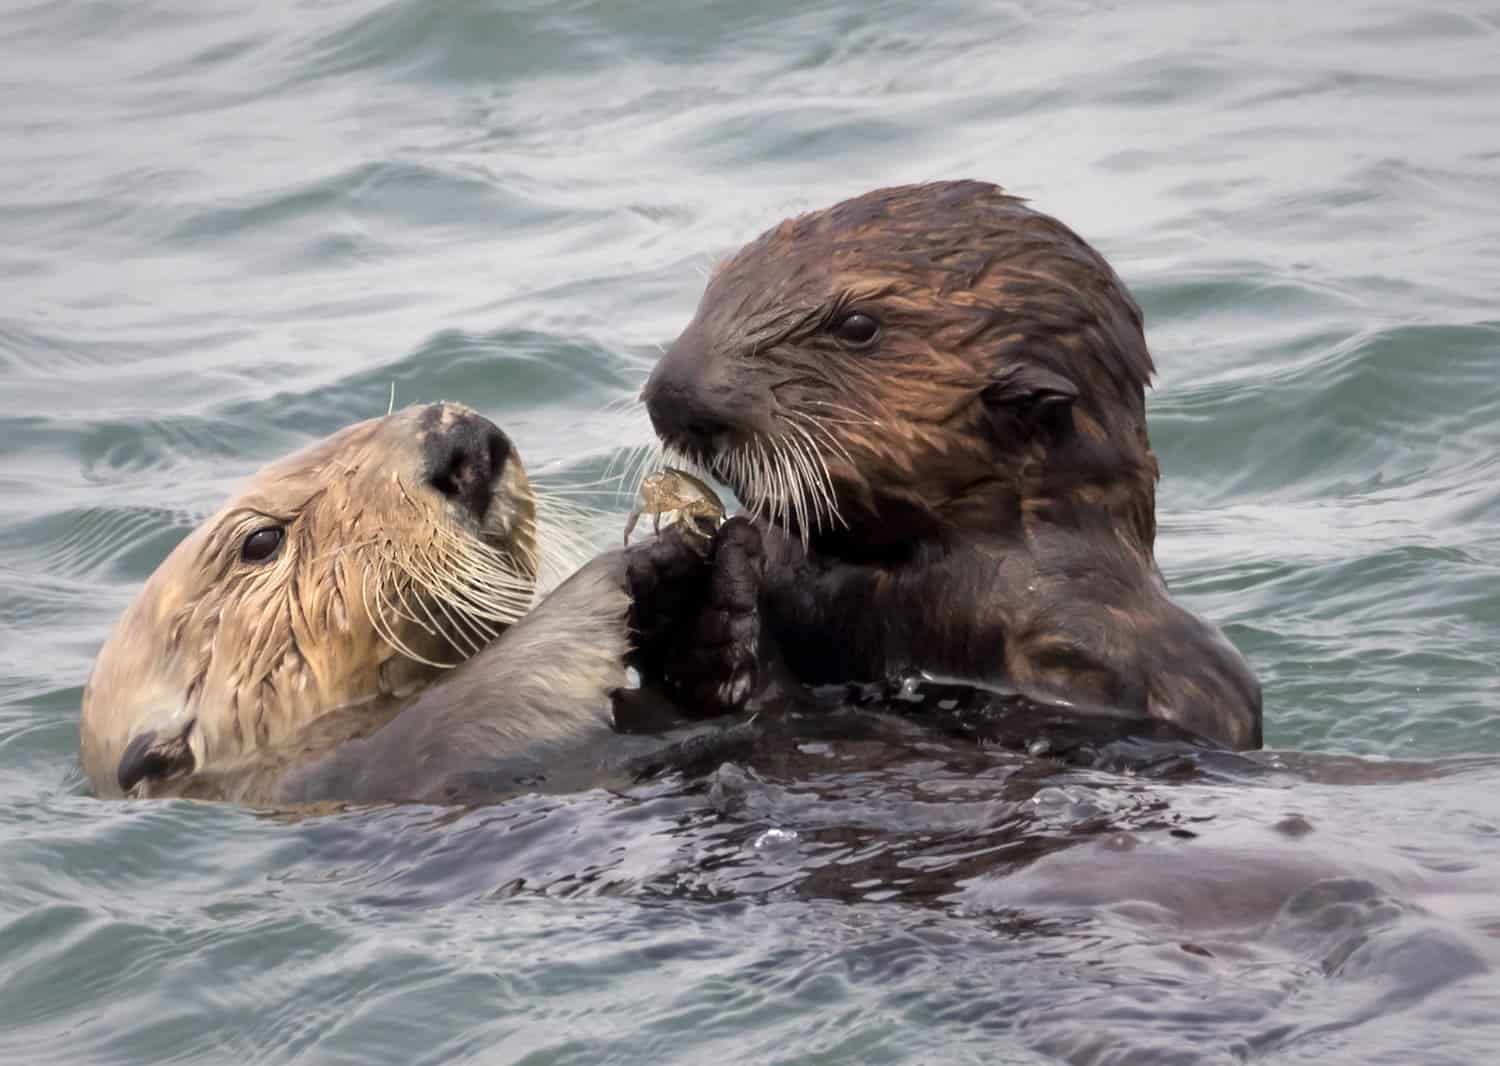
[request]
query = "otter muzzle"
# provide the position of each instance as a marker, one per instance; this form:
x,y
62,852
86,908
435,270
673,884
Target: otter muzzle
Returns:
x,y
149,757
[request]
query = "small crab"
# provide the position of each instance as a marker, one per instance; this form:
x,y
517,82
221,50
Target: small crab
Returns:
x,y
670,490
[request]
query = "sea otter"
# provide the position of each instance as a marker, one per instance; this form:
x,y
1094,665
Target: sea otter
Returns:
x,y
356,626
305,612
931,399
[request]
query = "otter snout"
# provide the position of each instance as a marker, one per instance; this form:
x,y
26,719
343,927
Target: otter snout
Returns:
x,y
464,455
694,404
150,756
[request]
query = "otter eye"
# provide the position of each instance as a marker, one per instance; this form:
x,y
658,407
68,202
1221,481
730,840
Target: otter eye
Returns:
x,y
855,328
262,544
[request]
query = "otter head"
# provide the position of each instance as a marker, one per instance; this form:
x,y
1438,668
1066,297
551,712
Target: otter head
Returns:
x,y
916,362
341,577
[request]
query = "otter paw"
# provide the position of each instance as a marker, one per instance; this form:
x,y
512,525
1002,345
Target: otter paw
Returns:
x,y
671,557
714,667
739,564
666,577
696,618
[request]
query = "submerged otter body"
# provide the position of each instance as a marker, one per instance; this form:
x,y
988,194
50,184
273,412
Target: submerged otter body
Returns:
x,y
932,401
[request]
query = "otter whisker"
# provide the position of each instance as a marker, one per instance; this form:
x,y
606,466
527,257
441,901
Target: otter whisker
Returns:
x,y
784,478
789,482
567,549
471,616
811,484
384,600
822,479
453,633
374,611
810,423
475,572
527,559
563,495
551,507
495,597
486,618
477,578
477,630
626,402
820,474
807,484
622,458
856,417
651,458
729,467
395,591
647,458
480,582
633,462
758,483
480,600
448,596
766,482
476,552
792,478
775,496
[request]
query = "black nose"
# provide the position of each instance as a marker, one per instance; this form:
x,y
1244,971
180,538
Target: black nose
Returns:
x,y
465,453
150,756
682,412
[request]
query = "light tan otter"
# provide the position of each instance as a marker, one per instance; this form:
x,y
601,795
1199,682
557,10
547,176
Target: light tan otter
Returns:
x,y
301,615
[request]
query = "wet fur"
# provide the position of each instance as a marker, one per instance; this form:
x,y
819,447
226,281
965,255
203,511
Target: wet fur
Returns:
x,y
502,720
241,667
993,480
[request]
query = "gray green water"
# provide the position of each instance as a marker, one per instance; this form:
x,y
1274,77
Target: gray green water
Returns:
x,y
228,228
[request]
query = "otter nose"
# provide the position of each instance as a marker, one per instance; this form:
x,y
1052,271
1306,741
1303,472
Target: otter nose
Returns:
x,y
465,454
682,412
150,755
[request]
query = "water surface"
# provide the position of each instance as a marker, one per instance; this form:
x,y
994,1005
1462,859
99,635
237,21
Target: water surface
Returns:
x,y
228,229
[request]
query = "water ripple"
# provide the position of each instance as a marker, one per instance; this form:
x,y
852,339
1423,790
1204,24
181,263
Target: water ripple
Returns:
x,y
232,228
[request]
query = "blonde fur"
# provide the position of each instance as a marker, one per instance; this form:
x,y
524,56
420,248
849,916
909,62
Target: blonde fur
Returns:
x,y
380,584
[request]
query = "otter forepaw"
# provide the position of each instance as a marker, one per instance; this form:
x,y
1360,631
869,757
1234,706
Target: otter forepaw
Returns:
x,y
664,572
715,667
696,618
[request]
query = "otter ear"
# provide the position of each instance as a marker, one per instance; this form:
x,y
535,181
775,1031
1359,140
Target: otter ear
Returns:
x,y
1031,389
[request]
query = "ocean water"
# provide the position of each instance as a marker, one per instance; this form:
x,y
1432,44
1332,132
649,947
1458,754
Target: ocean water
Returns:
x,y
227,229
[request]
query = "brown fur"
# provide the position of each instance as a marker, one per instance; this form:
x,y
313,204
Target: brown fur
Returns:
x,y
987,454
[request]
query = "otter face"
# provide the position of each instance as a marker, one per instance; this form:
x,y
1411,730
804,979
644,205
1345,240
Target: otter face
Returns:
x,y
343,575
904,361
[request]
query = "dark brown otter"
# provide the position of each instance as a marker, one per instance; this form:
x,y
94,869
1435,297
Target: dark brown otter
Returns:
x,y
932,400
